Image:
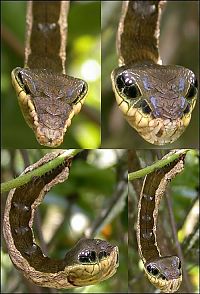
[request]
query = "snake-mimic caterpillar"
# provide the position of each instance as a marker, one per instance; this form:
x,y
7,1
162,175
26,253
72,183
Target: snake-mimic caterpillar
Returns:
x,y
48,98
164,272
88,262
157,100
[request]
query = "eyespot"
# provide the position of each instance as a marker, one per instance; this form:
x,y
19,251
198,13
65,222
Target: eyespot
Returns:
x,y
126,85
87,256
179,266
19,76
187,109
192,91
82,93
102,254
93,256
163,277
120,82
152,270
125,79
83,90
24,85
196,83
84,259
117,259
132,91
145,107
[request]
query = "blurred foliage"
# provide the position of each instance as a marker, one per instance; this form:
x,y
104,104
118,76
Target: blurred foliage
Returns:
x,y
83,46
183,191
91,186
178,45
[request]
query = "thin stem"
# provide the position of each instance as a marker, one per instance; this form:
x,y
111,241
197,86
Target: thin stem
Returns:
x,y
159,164
21,180
115,206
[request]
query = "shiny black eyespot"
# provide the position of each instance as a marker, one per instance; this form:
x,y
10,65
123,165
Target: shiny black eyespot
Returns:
x,y
196,83
120,82
102,254
125,79
19,75
92,255
26,88
117,259
192,91
131,92
24,84
84,259
179,266
187,109
81,94
83,90
145,107
126,85
87,256
163,277
152,270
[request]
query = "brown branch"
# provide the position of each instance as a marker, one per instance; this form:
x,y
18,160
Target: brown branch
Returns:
x,y
10,39
92,114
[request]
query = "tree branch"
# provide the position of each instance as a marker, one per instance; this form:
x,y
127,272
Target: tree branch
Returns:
x,y
159,164
21,180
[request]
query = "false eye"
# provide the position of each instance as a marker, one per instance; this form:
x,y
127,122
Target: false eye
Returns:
x,y
19,75
25,86
102,254
187,109
120,82
179,266
132,91
92,255
81,94
126,84
125,79
192,91
87,256
162,277
84,259
145,107
83,90
117,259
196,83
152,270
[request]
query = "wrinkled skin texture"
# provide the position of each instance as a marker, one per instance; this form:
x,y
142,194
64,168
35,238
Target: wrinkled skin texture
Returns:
x,y
156,100
90,261
52,98
165,273
160,106
164,88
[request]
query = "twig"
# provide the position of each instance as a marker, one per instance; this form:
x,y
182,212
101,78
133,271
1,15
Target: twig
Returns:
x,y
117,204
21,180
159,164
134,165
13,42
25,157
92,114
